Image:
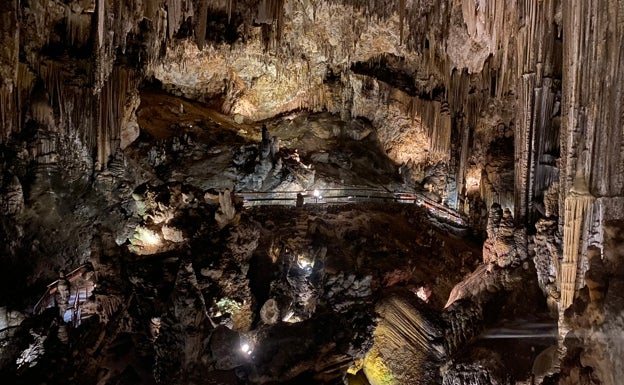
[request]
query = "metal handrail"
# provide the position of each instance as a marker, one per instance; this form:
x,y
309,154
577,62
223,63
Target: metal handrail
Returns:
x,y
51,288
258,197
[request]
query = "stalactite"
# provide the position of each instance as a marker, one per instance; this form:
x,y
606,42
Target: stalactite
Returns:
x,y
174,11
459,89
9,59
72,103
536,137
403,322
523,147
100,9
51,73
463,160
25,83
42,112
6,112
436,118
111,110
577,217
78,27
469,11
200,29
158,17
271,14
177,12
401,19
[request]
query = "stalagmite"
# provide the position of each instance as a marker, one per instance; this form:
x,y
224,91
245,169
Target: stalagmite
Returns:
x,y
577,217
14,201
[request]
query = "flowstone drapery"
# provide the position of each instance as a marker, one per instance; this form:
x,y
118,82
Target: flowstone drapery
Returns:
x,y
577,216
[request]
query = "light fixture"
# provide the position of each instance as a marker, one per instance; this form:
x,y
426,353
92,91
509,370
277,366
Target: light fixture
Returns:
x,y
317,195
423,293
245,348
304,263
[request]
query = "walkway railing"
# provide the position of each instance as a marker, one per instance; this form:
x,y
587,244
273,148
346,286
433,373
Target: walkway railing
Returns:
x,y
350,195
80,290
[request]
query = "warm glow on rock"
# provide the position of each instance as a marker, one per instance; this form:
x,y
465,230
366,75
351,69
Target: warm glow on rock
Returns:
x,y
245,108
473,179
145,241
150,238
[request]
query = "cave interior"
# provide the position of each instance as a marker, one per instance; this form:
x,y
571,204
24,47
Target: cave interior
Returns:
x,y
411,192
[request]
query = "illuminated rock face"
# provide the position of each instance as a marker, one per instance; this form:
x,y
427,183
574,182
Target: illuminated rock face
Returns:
x,y
378,60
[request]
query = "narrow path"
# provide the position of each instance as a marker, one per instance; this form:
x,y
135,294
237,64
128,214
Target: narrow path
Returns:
x,y
350,195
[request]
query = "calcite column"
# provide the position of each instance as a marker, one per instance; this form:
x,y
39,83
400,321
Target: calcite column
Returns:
x,y
577,216
537,131
9,56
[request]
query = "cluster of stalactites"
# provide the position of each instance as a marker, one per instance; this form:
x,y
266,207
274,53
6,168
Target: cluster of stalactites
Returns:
x,y
112,108
436,118
72,103
73,109
77,26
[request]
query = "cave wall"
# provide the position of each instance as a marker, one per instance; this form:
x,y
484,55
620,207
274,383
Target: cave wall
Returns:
x,y
440,80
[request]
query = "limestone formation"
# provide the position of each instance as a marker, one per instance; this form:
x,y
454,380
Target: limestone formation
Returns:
x,y
547,255
577,216
13,198
270,312
227,212
507,246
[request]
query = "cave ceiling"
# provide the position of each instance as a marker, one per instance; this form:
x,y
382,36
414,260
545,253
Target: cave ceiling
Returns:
x,y
375,192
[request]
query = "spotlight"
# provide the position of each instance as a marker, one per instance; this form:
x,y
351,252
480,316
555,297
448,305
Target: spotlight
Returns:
x,y
423,293
245,348
317,193
304,263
